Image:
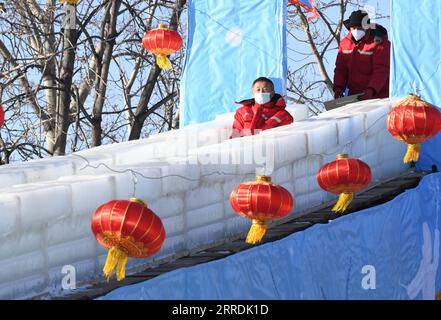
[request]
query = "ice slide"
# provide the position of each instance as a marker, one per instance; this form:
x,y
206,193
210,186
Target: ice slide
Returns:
x,y
185,176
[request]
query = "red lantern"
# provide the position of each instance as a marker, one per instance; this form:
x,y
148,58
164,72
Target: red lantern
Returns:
x,y
2,116
260,201
344,177
128,229
413,121
162,42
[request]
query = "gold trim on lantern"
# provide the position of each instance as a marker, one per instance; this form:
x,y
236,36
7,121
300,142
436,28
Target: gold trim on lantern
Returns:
x,y
342,156
137,200
162,26
263,179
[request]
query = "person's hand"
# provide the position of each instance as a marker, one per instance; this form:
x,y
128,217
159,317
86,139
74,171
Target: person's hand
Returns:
x,y
338,93
369,94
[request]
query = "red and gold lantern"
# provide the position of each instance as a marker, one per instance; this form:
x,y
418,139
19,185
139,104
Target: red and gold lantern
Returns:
x,y
344,177
2,116
127,228
162,42
260,201
413,121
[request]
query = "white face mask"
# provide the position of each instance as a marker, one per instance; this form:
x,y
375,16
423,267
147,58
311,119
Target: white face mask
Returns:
x,y
262,97
358,34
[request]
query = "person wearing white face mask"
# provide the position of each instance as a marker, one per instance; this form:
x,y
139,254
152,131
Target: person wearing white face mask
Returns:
x,y
363,60
265,111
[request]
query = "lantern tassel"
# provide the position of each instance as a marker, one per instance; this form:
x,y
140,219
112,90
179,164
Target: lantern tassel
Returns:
x,y
257,231
343,202
116,260
163,62
413,153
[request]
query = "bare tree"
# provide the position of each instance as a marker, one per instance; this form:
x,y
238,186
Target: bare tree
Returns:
x,y
78,83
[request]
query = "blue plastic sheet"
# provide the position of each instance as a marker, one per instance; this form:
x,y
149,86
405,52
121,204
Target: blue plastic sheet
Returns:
x,y
416,61
385,252
230,44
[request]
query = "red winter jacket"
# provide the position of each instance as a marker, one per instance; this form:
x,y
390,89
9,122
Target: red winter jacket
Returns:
x,y
364,65
253,117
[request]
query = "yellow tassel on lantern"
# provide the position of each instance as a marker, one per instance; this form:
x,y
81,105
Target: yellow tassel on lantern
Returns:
x,y
413,153
343,202
116,260
163,62
257,231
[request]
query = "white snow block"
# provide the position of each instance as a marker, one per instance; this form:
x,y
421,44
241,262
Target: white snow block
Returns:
x,y
350,128
19,267
205,235
203,196
43,204
141,181
80,272
90,192
23,288
167,207
282,175
178,177
307,167
10,177
18,244
205,216
237,226
229,212
172,245
69,229
322,138
174,225
70,252
9,213
287,147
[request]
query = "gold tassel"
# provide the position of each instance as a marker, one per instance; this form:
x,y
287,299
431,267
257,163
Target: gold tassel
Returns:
x,y
413,153
163,62
343,202
116,260
257,231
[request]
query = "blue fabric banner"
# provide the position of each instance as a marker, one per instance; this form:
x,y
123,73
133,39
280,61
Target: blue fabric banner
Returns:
x,y
390,251
230,44
416,61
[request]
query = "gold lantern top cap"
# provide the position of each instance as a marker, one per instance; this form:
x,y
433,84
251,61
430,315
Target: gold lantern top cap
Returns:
x,y
342,156
263,178
133,199
162,26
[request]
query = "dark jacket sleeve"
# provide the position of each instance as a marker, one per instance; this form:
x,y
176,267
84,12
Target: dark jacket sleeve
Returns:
x,y
341,71
381,67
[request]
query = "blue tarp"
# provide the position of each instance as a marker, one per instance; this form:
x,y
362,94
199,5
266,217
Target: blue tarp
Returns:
x,y
416,60
230,44
385,252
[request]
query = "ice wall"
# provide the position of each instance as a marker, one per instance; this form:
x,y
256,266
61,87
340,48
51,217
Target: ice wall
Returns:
x,y
186,177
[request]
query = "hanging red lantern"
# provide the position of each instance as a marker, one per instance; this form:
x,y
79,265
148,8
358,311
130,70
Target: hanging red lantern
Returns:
x,y
344,176
2,116
413,121
260,201
162,42
127,228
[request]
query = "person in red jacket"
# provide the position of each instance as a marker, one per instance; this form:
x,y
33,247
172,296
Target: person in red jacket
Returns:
x,y
363,60
265,111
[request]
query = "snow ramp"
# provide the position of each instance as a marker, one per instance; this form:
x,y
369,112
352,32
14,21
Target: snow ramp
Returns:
x,y
185,176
